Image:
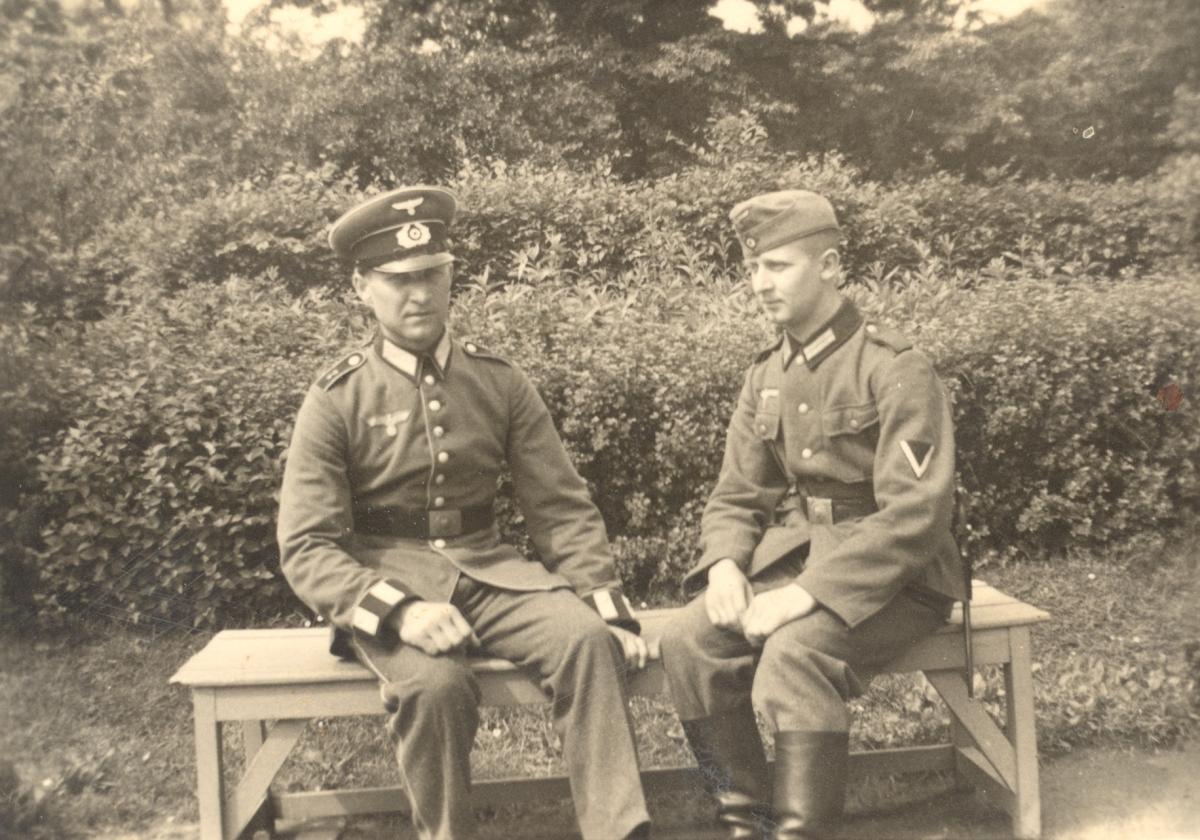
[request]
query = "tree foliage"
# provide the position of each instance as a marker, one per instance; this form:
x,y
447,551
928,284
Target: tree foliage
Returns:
x,y
147,114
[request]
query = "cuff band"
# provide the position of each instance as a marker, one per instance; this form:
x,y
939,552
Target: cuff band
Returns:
x,y
613,607
375,606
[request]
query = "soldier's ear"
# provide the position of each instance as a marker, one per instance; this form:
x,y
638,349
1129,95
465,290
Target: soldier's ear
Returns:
x,y
831,264
360,287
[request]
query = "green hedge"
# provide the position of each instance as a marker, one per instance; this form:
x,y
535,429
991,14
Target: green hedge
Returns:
x,y
526,224
161,491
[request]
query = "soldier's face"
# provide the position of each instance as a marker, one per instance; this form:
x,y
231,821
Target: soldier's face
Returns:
x,y
412,307
795,284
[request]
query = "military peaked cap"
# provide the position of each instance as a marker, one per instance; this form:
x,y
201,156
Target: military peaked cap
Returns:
x,y
402,230
777,218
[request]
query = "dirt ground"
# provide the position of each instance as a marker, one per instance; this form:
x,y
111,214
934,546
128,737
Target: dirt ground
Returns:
x,y
1091,794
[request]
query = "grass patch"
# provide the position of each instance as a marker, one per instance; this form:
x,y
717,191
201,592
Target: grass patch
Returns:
x,y
101,743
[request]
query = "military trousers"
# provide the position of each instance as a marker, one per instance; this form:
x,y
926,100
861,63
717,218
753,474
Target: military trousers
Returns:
x,y
433,702
802,676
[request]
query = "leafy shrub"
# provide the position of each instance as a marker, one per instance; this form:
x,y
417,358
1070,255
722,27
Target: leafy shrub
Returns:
x,y
1177,191
1110,229
39,388
163,486
274,225
1063,432
525,224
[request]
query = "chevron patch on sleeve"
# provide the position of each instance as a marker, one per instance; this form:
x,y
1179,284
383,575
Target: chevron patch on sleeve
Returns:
x,y
919,454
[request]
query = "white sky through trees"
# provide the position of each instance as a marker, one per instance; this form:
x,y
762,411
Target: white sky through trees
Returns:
x,y
739,15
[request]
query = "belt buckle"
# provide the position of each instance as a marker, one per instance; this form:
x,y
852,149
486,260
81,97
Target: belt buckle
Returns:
x,y
820,511
445,523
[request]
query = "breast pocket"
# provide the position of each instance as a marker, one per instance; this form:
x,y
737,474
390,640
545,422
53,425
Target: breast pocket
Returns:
x,y
850,419
852,433
766,425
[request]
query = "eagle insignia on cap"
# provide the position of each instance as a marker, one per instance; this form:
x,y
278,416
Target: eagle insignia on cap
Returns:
x,y
412,234
411,205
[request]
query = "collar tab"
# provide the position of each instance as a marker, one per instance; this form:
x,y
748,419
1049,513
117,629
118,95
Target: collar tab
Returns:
x,y
828,338
409,363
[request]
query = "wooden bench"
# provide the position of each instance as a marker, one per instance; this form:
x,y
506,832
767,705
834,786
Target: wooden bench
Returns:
x,y
272,682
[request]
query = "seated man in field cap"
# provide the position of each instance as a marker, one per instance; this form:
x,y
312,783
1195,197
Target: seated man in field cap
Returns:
x,y
386,529
826,546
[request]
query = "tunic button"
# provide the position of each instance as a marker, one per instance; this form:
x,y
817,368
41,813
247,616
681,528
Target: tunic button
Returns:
x,y
807,453
439,543
353,360
872,328
439,479
429,380
750,241
443,457
438,431
439,501
471,348
762,430
434,405
802,408
853,424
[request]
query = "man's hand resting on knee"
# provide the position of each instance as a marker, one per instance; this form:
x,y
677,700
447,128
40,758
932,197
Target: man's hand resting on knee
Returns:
x,y
434,627
771,610
728,595
633,647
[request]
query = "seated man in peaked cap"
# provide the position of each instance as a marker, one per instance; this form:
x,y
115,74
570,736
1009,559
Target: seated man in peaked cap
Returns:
x,y
826,543
386,530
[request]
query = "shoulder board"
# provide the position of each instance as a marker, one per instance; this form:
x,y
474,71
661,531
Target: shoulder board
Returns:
x,y
888,337
765,353
473,349
352,361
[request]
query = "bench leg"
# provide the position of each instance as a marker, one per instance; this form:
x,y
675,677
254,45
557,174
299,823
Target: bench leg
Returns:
x,y
208,764
1018,688
254,732
961,740
977,725
250,795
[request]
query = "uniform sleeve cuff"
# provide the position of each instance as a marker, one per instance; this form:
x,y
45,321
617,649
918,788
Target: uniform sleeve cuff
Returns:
x,y
827,596
373,608
614,608
697,578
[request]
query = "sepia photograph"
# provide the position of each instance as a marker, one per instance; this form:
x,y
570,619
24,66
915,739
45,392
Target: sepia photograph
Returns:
x,y
600,419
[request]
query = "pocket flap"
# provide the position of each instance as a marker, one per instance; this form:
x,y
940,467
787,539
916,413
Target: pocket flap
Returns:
x,y
849,420
766,425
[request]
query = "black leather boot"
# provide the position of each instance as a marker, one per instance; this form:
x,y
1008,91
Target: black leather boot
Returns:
x,y
729,753
810,783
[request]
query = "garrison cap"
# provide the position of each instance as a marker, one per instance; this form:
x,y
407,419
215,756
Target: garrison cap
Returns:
x,y
402,230
777,218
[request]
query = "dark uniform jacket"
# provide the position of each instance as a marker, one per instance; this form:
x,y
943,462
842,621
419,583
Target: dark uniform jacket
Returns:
x,y
842,445
385,443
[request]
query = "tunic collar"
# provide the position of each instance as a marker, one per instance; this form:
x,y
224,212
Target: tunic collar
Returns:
x,y
410,364
821,344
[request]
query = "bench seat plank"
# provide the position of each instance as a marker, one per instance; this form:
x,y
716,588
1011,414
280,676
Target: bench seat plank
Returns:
x,y
286,675
291,656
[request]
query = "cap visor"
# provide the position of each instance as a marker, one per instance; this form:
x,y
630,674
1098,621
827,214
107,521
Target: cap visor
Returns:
x,y
417,263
